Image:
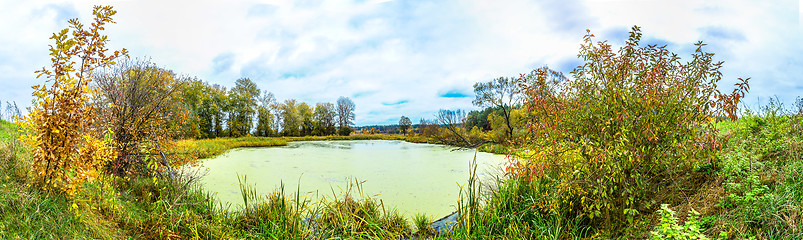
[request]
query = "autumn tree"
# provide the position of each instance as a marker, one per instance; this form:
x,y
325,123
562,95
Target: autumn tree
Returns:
x,y
305,118
216,104
278,118
453,121
291,123
211,110
500,93
404,124
427,128
264,117
242,107
58,126
345,115
142,106
193,93
324,119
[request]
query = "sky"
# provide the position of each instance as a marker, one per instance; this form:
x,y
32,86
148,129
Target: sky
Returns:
x,y
410,58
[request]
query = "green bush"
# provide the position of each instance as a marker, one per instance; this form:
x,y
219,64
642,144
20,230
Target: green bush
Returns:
x,y
670,228
344,131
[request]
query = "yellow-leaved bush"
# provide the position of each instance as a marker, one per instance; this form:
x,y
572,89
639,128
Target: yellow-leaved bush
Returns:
x,y
60,125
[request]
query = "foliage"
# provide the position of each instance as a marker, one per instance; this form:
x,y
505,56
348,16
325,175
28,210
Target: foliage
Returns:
x,y
215,112
305,118
242,107
216,103
264,117
452,122
324,119
499,126
59,123
344,131
291,120
208,105
626,121
192,94
480,118
669,228
762,188
404,124
140,104
501,93
427,128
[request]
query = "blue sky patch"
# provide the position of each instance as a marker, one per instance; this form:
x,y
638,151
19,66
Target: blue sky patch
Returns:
x,y
454,94
400,102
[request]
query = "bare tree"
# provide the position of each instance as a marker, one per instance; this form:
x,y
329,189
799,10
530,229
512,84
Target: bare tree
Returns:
x,y
12,111
345,112
453,121
9,111
427,128
17,112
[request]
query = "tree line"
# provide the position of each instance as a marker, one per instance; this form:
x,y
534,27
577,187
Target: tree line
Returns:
x,y
198,109
246,110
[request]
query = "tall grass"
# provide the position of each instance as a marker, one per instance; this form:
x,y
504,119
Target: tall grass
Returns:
x,y
281,216
273,216
423,225
508,209
761,170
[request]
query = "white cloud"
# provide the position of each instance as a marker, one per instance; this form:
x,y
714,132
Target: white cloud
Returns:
x,y
383,52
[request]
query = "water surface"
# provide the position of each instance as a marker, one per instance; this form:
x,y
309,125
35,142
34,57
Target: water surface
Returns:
x,y
413,178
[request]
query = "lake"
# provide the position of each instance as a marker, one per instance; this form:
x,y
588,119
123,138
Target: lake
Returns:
x,y
411,177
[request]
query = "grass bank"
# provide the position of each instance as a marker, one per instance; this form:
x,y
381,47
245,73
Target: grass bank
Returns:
x,y
187,151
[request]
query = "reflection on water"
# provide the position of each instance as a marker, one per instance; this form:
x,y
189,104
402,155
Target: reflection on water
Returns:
x,y
412,177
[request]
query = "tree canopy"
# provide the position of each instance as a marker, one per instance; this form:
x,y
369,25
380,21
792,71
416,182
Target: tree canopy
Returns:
x,y
404,124
500,93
